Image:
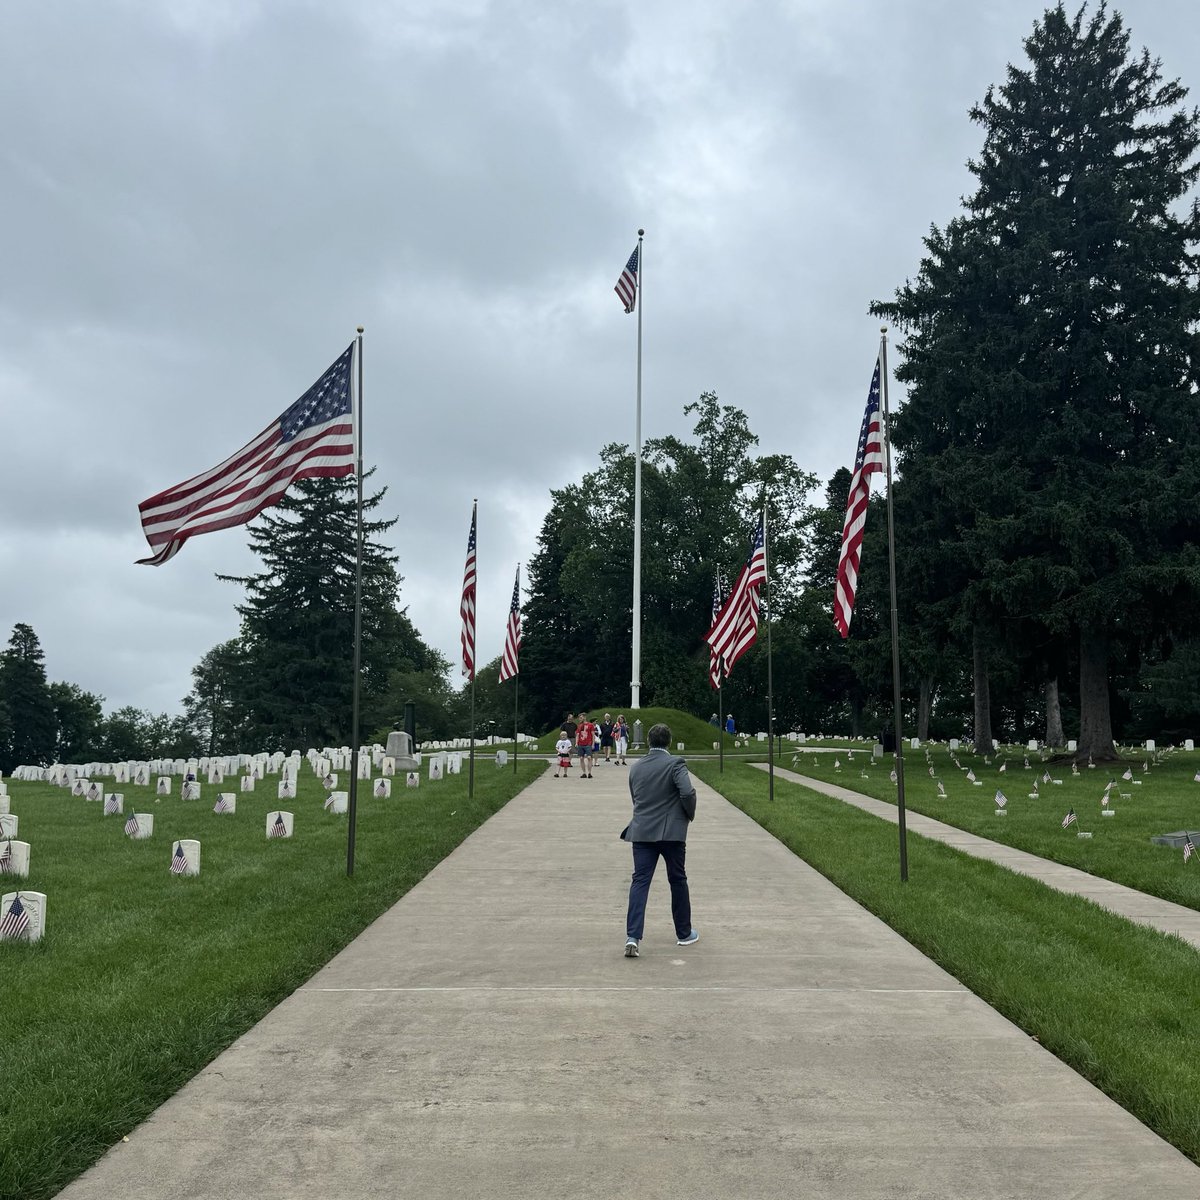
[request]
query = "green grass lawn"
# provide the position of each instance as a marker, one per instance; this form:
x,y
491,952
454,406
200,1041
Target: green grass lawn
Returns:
x,y
1166,799
1118,1002
144,977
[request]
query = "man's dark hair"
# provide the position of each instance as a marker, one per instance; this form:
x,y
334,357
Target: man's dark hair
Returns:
x,y
659,736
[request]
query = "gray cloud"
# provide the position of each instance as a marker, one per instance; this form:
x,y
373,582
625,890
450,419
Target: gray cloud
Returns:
x,y
202,198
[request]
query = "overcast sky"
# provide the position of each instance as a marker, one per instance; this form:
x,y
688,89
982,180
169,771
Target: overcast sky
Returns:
x,y
201,199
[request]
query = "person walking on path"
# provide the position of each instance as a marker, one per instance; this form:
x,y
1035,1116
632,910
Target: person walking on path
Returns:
x,y
583,746
606,737
563,749
664,804
621,733
730,727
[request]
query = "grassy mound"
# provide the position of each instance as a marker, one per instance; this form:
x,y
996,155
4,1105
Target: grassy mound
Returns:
x,y
696,734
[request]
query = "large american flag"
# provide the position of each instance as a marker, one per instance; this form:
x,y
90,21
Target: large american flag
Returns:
x,y
512,634
467,606
627,285
178,860
868,460
16,920
735,627
314,437
279,828
715,665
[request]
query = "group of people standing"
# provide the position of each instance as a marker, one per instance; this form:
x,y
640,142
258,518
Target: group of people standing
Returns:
x,y
587,739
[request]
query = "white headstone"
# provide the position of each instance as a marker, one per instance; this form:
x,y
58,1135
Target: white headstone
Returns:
x,y
329,781
914,744
279,824
413,779
226,803
383,788
454,763
163,786
716,745
191,790
145,826
14,858
877,751
388,767
121,773
8,825
4,802
501,758
114,804
364,766
1032,744
1188,744
435,766
1072,745
954,743
336,802
247,783
191,856
33,904
94,791
286,789
1150,744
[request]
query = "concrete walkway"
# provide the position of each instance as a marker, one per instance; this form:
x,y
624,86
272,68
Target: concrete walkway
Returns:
x,y
1126,902
486,1038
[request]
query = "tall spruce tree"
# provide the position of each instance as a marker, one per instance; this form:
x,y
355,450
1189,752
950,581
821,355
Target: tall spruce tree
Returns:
x,y
1053,356
295,672
28,730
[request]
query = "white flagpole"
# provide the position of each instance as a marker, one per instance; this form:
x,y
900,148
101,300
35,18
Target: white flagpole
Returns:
x,y
636,683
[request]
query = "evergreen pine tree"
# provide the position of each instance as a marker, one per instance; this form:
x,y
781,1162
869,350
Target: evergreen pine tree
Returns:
x,y
1052,351
29,736
298,619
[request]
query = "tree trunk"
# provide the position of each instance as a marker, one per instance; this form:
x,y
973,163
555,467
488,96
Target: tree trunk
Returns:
x,y
924,704
1054,729
983,703
1095,719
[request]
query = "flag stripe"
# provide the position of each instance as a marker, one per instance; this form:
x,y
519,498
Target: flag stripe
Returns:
x,y
735,628
312,438
627,284
868,460
466,607
512,634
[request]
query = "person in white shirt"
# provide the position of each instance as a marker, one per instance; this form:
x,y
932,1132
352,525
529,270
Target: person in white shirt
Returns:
x,y
563,749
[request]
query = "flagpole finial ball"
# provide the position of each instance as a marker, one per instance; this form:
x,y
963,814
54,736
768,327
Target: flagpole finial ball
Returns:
x,y
641,233
882,329
360,329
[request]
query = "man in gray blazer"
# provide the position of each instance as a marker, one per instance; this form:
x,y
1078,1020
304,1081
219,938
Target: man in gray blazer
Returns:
x,y
664,802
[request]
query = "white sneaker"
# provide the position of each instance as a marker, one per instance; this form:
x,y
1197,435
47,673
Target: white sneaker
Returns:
x,y
691,939
631,948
